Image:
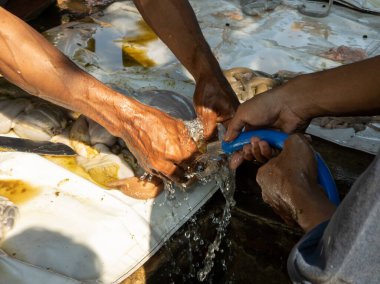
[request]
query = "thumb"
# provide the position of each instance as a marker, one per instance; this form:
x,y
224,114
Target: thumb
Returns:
x,y
235,126
208,119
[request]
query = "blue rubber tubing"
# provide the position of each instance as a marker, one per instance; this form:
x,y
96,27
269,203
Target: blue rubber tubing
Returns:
x,y
276,139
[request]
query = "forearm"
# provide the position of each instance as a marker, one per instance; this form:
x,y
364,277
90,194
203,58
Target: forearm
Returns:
x,y
29,61
175,23
352,89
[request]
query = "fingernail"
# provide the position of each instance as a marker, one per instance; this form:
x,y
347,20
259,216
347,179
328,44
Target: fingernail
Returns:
x,y
227,136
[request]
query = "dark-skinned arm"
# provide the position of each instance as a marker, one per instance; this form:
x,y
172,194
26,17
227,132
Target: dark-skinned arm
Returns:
x,y
352,89
175,23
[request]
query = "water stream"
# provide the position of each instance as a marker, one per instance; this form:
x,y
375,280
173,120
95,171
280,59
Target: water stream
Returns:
x,y
217,170
208,169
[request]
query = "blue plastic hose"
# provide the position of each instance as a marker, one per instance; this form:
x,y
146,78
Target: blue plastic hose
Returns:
x,y
276,139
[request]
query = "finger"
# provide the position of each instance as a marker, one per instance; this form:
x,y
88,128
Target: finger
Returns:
x,y
172,172
257,152
265,149
235,126
190,164
137,188
208,119
247,152
237,159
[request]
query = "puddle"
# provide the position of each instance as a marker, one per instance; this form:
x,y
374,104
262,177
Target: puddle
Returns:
x,y
116,52
17,191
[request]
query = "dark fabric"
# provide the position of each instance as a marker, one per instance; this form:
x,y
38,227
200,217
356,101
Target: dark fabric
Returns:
x,y
346,249
26,9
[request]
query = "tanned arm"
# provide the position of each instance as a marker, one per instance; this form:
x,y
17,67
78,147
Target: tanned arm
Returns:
x,y
29,61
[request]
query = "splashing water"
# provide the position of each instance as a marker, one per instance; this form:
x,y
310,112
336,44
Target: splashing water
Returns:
x,y
195,128
217,169
170,197
208,169
213,169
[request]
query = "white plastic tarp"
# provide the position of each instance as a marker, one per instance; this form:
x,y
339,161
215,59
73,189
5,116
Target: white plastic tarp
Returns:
x,y
73,230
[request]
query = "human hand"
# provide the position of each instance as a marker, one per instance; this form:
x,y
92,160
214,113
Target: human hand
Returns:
x,y
272,109
160,143
258,150
289,185
214,101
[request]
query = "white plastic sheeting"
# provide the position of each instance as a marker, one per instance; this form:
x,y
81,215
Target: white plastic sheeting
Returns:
x,y
73,230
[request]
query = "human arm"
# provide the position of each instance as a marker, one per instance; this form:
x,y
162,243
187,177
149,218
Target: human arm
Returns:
x,y
175,23
347,90
29,61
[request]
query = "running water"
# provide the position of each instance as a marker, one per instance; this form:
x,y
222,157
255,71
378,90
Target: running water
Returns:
x,y
195,129
208,169
213,169
217,170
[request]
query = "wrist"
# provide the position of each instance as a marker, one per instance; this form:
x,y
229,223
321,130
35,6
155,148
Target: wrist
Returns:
x,y
205,64
313,208
300,95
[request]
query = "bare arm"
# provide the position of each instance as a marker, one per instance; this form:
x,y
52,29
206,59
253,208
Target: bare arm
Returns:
x,y
351,89
33,64
175,23
29,61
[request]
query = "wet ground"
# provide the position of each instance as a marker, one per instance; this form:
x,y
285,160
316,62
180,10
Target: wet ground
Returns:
x,y
257,244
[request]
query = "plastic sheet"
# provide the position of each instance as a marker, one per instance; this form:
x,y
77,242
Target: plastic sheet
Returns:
x,y
70,229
